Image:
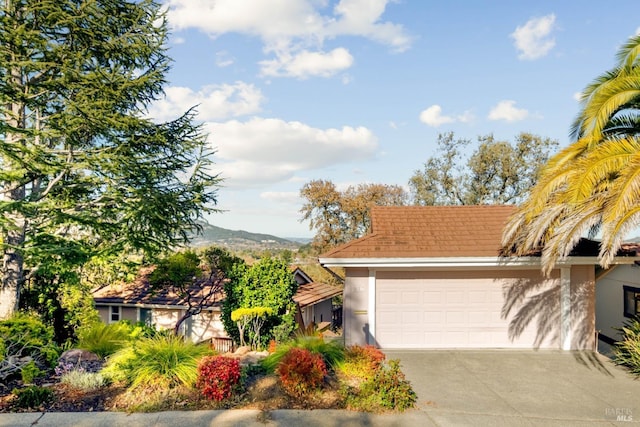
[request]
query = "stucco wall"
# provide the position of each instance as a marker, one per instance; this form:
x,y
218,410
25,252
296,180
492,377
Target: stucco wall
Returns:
x,y
610,298
583,307
204,326
355,306
129,313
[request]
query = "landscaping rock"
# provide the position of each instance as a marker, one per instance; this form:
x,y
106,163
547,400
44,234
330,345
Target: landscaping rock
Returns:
x,y
242,350
78,358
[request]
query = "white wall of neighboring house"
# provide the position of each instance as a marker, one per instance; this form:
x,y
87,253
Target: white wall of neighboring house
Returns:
x,y
205,326
610,298
164,318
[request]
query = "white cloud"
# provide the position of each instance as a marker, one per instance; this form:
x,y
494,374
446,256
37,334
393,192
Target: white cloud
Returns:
x,y
577,96
293,31
285,197
306,64
262,151
433,117
506,110
223,59
214,102
534,40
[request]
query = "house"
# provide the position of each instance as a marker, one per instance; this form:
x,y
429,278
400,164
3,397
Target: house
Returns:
x,y
137,302
617,300
314,301
432,277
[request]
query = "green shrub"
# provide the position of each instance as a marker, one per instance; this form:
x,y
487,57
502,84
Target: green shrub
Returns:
x,y
627,350
301,371
30,372
85,381
32,396
164,361
387,390
104,339
361,362
119,365
332,352
26,335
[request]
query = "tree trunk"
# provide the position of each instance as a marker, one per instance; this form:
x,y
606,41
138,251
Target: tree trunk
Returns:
x,y
13,233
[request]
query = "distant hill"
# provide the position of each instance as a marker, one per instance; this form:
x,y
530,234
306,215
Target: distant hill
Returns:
x,y
239,239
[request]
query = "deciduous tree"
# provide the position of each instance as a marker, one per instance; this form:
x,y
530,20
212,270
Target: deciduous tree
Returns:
x,y
339,216
496,172
82,171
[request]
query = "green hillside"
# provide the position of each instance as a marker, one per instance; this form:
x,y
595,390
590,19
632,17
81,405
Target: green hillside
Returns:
x,y
212,235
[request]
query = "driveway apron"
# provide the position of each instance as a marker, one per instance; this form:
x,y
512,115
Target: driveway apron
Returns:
x,y
493,387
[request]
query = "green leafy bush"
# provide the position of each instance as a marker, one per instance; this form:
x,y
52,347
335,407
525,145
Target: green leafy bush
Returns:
x,y
83,380
104,339
627,350
218,377
32,396
164,361
361,361
26,335
332,351
301,372
30,372
387,390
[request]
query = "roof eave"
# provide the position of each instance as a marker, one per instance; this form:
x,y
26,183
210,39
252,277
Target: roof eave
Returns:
x,y
466,262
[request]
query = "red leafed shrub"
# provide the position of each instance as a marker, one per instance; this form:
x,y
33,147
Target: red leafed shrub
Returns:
x,y
218,376
301,371
362,361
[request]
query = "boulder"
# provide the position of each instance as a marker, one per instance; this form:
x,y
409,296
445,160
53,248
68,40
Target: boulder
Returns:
x,y
77,355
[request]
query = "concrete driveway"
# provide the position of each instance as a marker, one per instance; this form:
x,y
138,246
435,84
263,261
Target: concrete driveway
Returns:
x,y
512,388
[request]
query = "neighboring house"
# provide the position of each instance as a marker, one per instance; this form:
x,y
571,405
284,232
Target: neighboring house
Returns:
x,y
617,300
136,302
163,308
432,277
314,301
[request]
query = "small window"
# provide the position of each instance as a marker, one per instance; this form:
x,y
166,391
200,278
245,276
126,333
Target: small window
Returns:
x,y
631,301
114,313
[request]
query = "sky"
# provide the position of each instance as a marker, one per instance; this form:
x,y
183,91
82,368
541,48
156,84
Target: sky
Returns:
x,y
357,91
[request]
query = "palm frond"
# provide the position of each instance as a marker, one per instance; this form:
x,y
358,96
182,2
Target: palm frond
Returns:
x,y
629,53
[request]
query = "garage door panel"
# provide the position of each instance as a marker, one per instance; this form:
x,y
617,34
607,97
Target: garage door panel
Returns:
x,y
444,313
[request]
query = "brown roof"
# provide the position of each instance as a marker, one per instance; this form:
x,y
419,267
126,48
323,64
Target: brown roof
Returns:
x,y
314,292
430,231
139,292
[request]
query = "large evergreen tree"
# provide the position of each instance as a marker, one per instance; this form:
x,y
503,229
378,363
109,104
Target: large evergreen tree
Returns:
x,y
82,171
593,185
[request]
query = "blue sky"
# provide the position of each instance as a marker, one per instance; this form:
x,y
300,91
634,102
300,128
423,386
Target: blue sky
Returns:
x,y
357,91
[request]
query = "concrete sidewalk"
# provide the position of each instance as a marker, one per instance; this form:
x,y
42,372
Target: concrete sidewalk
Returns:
x,y
455,388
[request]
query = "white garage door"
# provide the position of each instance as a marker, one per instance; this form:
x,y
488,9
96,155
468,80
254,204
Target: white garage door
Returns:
x,y
463,312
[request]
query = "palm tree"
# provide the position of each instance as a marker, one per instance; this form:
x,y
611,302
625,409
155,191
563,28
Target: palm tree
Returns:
x,y
593,185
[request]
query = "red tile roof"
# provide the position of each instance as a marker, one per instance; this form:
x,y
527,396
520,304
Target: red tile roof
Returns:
x,y
430,231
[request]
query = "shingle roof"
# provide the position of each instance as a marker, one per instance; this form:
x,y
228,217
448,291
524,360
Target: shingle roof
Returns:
x,y
139,292
430,231
314,292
